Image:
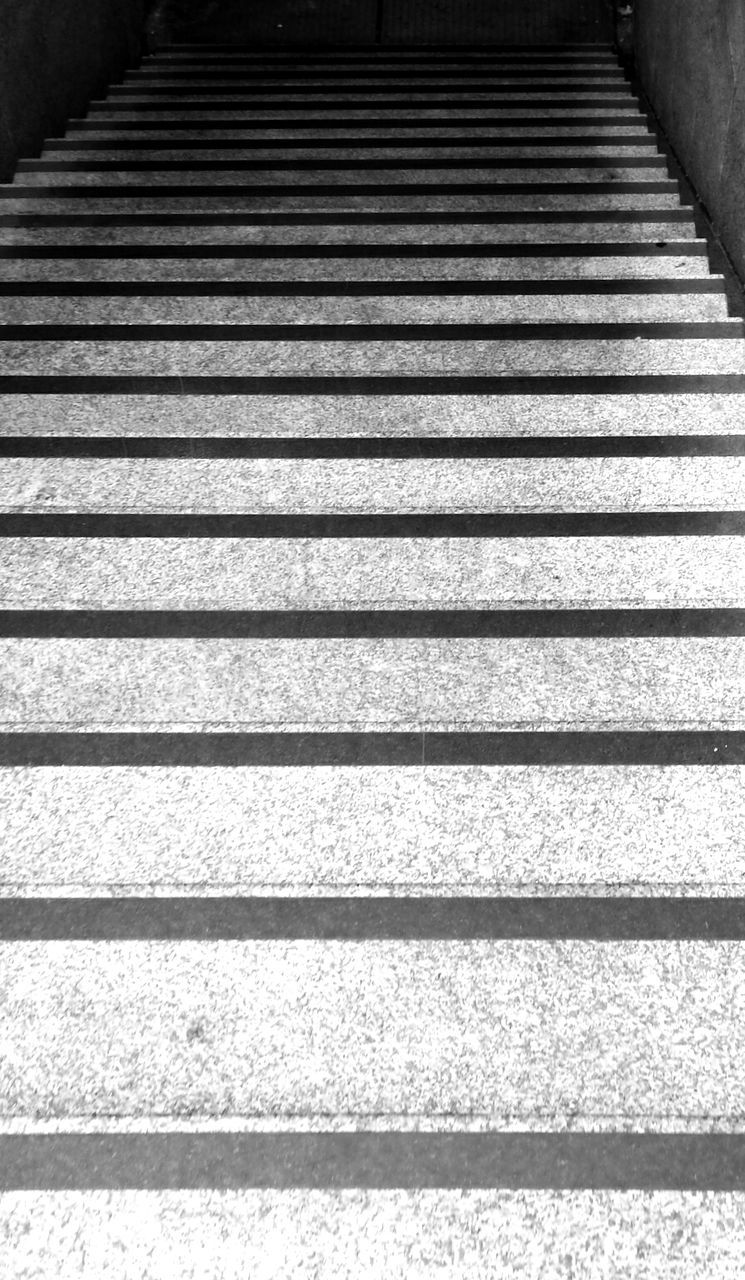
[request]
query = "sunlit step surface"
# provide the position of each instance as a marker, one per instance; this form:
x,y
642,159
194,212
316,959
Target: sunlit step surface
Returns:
x,y
531,830
373,485
48,572
379,309
401,685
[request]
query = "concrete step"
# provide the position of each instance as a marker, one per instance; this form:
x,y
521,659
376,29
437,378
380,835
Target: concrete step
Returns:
x,y
294,174
379,358
244,154
588,308
664,572
377,685
609,95
689,264
373,485
292,133
103,114
103,200
318,831
443,79
667,413
313,1028
672,225
360,1232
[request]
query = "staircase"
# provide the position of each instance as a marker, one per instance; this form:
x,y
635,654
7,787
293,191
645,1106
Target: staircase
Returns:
x,y
373,700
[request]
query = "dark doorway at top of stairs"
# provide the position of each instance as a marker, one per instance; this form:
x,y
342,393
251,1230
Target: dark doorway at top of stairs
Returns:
x,y
388,22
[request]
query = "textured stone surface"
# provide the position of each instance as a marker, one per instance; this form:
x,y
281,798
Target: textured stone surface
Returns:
x,y
375,485
388,416
464,232
363,358
691,60
433,831
523,267
311,1235
131,179
529,200
586,308
179,149
404,685
194,573
106,113
526,1028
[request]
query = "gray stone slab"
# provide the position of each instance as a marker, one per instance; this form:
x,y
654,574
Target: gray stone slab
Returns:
x,y
131,179
179,149
195,1029
455,234
372,485
349,685
607,135
420,573
368,88
375,359
392,309
211,1235
527,201
343,269
605,831
158,109
383,415
374,79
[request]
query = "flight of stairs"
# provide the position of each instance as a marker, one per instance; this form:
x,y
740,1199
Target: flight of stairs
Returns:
x,y
371,767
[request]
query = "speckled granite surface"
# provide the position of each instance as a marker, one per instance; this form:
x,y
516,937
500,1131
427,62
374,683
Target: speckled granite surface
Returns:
x,y
348,573
374,485
312,1235
385,415
374,684
435,358
445,830
585,308
440,268
521,1027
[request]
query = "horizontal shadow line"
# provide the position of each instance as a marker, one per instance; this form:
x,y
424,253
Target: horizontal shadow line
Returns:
x,y
457,143
581,524
261,190
527,331
369,918
371,447
350,218
350,749
389,252
592,1161
299,165
531,385
159,99
364,623
428,122
353,289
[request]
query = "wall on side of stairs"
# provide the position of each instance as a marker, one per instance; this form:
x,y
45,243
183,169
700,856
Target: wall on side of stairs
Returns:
x,y
54,56
690,59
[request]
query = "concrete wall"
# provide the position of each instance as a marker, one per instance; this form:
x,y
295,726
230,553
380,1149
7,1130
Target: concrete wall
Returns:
x,y
54,55
690,59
